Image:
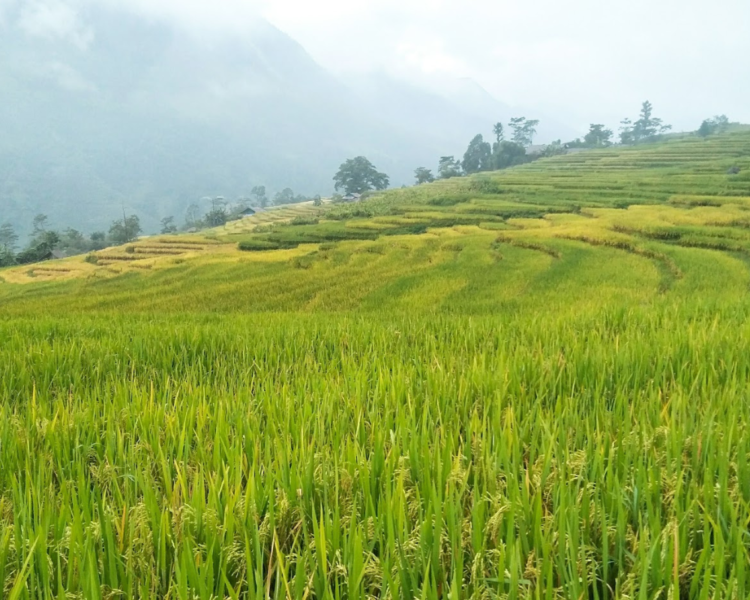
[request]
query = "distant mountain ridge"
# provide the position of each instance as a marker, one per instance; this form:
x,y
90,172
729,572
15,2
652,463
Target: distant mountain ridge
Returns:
x,y
132,114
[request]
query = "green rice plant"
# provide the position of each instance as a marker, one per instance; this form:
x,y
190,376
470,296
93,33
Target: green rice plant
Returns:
x,y
394,402
602,455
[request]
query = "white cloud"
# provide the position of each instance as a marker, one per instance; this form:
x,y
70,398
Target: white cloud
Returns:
x,y
585,60
55,19
5,6
67,77
428,55
226,17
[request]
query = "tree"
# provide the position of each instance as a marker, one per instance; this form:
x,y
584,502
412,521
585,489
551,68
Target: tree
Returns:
x,y
73,242
556,148
125,230
317,201
216,217
42,243
706,128
285,196
8,238
219,202
193,215
7,258
529,130
449,167
98,240
524,130
716,125
508,154
40,248
626,132
359,175
168,226
259,194
39,223
516,126
598,136
478,156
721,122
423,175
647,126
499,132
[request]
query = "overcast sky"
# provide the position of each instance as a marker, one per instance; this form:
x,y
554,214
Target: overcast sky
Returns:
x,y
581,61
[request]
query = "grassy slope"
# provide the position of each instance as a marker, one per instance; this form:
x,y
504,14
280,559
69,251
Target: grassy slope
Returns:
x,y
548,400
630,223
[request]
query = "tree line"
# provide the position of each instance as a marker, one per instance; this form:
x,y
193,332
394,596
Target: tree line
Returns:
x,y
503,153
359,175
46,243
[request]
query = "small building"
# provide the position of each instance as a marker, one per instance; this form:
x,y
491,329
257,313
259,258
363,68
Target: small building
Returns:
x,y
352,198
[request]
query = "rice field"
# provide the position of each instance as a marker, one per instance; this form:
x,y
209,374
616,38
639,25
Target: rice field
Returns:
x,y
530,384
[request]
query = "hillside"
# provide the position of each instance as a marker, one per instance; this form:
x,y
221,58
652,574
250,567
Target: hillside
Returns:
x,y
93,124
524,384
631,222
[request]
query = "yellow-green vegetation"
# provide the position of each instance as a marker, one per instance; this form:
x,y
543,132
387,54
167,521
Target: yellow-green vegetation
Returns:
x,y
524,384
159,252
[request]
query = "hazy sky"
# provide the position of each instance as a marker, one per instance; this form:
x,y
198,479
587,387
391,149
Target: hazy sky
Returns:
x,y
579,60
585,60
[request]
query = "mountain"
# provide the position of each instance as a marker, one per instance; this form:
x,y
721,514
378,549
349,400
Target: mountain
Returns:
x,y
105,111
420,112
149,117
477,102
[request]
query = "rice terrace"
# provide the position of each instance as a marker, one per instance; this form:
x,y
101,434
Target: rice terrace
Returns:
x,y
531,383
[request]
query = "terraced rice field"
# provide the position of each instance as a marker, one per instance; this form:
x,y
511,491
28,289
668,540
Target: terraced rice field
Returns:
x,y
155,252
271,216
522,385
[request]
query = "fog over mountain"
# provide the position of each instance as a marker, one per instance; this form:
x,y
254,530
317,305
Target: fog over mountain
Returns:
x,y
104,111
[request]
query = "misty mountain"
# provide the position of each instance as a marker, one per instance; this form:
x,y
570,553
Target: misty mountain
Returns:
x,y
124,113
423,113
476,101
448,110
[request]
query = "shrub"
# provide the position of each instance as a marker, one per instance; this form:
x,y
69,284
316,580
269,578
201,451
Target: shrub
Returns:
x,y
485,185
303,221
257,245
448,200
